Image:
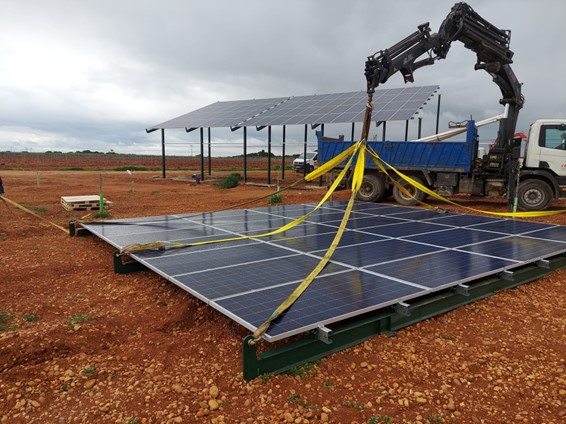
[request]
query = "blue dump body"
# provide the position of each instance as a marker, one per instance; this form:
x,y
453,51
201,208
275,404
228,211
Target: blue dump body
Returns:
x,y
445,156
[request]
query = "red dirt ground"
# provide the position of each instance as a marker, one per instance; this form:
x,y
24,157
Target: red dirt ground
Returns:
x,y
80,344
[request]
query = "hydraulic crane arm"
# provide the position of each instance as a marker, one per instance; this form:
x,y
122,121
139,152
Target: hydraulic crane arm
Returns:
x,y
490,44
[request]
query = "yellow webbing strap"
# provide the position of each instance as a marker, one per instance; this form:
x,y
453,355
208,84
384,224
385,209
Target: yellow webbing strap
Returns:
x,y
377,160
300,289
160,245
6,200
532,214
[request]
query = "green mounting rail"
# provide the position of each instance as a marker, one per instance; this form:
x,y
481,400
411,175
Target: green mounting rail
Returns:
x,y
124,264
75,230
323,341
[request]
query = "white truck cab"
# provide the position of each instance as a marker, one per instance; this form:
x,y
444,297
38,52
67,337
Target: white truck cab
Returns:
x,y
546,145
543,173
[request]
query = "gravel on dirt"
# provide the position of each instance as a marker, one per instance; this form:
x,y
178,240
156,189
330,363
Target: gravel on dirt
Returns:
x,y
80,344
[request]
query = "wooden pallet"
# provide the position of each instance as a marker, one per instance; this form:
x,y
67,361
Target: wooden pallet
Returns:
x,y
83,203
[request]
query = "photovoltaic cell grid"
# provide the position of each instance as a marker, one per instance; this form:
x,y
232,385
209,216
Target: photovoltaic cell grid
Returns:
x,y
388,254
390,105
222,114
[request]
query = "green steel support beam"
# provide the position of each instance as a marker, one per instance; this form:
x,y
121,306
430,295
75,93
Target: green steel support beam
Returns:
x,y
323,342
75,230
124,264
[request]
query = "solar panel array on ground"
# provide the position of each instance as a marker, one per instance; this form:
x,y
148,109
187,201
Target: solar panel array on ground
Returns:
x,y
388,254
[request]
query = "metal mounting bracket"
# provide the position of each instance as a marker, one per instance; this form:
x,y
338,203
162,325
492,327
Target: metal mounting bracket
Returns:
x,y
323,334
507,275
402,308
543,263
462,289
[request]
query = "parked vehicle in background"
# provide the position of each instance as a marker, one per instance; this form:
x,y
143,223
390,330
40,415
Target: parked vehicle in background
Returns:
x,y
311,162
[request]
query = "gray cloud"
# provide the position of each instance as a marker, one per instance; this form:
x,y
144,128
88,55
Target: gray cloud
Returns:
x,y
79,74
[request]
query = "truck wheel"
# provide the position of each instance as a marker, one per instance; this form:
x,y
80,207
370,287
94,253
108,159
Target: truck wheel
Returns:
x,y
534,195
372,189
403,199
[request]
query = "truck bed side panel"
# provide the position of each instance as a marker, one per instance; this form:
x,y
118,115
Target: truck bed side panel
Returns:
x,y
451,156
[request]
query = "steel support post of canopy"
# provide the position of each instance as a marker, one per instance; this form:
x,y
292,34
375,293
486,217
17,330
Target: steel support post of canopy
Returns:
x,y
384,131
202,154
322,133
420,127
245,154
163,152
386,320
353,131
305,151
283,155
209,154
407,130
438,114
269,155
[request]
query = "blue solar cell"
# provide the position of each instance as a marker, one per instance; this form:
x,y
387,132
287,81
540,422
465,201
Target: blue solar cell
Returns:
x,y
122,236
382,251
414,214
323,241
185,262
329,299
386,210
302,230
146,255
253,226
455,237
405,229
252,276
511,226
442,269
524,249
327,216
368,221
557,233
460,220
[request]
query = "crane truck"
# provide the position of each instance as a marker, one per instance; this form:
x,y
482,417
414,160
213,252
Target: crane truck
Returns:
x,y
530,182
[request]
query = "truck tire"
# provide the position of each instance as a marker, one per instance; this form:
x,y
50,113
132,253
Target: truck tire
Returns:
x,y
403,199
534,195
372,189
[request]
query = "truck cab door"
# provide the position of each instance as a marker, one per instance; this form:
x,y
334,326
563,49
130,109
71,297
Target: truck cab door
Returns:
x,y
552,148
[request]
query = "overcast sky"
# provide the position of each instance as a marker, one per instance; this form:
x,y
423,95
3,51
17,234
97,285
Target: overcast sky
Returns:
x,y
78,75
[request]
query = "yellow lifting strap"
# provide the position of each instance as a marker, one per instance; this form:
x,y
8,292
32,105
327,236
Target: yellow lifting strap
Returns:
x,y
377,160
416,184
17,205
300,289
327,167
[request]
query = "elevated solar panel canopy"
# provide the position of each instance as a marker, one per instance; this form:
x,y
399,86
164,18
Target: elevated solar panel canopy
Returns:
x,y
394,104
